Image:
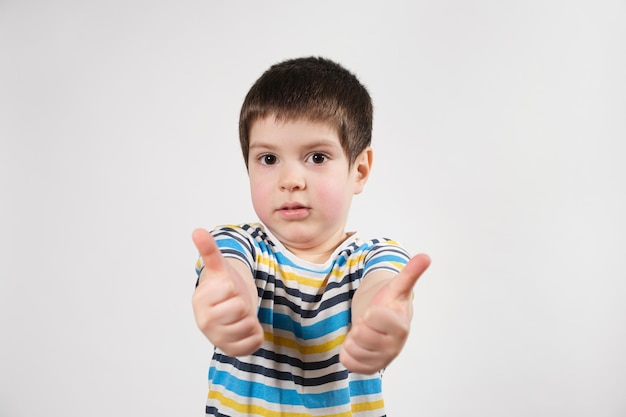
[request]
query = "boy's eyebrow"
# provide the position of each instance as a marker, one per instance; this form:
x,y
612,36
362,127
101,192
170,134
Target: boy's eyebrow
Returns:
x,y
262,145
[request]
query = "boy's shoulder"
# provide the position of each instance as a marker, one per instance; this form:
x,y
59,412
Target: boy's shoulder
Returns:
x,y
246,228
253,231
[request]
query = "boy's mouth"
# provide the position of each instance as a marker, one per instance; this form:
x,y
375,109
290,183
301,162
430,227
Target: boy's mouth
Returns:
x,y
292,206
293,211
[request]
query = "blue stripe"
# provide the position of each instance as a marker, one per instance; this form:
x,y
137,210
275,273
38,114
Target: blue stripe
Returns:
x,y
275,395
231,244
366,387
282,260
387,258
314,331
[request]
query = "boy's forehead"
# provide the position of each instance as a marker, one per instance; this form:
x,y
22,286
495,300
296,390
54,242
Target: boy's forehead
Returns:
x,y
271,127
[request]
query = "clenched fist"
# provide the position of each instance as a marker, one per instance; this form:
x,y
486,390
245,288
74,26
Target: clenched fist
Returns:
x,y
378,333
225,300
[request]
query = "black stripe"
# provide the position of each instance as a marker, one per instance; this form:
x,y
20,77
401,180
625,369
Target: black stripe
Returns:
x,y
212,411
285,376
295,362
306,297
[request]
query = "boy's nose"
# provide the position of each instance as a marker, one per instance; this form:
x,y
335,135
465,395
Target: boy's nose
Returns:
x,y
291,179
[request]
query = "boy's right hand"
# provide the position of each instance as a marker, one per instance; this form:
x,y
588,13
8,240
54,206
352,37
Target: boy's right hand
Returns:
x,y
225,301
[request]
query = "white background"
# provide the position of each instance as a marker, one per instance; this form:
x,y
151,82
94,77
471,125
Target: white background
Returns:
x,y
500,140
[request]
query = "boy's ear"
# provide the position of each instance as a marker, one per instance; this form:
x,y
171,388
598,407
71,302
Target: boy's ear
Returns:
x,y
363,167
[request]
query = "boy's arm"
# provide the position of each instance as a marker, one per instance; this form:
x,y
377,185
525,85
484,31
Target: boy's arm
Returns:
x,y
225,300
381,317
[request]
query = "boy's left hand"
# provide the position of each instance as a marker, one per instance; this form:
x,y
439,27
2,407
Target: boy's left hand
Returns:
x,y
379,335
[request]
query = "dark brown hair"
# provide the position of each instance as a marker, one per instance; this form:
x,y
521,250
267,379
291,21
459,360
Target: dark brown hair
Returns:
x,y
312,88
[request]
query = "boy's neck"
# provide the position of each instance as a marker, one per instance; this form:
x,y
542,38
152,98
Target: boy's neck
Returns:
x,y
316,255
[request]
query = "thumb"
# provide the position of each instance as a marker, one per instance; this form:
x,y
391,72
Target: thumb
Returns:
x,y
209,252
402,285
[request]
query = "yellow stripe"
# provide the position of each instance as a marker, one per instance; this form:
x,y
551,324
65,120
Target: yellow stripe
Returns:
x,y
307,350
258,410
290,276
398,265
368,406
309,282
352,261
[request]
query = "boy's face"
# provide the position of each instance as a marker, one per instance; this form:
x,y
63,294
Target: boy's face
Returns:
x,y
302,184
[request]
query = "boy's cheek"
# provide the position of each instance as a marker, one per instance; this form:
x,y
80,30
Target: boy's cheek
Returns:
x,y
260,195
335,197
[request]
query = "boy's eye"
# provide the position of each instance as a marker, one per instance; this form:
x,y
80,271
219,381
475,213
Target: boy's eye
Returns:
x,y
317,158
268,159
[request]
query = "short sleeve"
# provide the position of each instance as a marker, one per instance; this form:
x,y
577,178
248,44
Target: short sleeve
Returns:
x,y
386,254
234,242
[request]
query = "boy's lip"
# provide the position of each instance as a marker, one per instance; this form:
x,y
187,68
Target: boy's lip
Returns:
x,y
293,206
293,211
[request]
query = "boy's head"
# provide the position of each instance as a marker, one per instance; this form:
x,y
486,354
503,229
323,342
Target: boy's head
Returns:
x,y
314,89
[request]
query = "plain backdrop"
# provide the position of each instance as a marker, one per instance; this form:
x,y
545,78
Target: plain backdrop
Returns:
x,y
500,149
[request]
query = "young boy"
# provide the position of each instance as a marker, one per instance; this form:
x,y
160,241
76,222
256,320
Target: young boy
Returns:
x,y
303,315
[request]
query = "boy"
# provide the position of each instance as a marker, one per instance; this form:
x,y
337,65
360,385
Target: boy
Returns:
x,y
303,315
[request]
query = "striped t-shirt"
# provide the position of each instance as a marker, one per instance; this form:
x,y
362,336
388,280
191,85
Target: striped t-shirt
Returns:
x,y
304,309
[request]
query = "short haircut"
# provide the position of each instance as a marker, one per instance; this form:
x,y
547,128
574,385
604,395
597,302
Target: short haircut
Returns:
x,y
315,89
